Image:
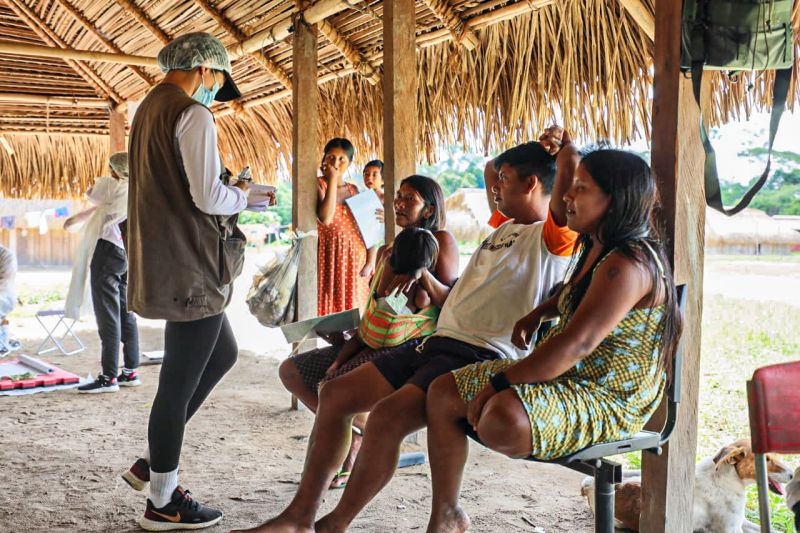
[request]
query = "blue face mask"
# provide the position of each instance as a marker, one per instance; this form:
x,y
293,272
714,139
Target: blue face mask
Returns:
x,y
204,95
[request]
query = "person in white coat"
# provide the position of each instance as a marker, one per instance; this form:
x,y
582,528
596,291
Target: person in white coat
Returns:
x,y
101,255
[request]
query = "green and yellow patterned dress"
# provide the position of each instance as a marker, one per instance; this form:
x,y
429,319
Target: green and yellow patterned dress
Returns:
x,y
607,396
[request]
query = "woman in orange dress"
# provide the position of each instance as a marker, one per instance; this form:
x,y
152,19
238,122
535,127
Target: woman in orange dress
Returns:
x,y
341,253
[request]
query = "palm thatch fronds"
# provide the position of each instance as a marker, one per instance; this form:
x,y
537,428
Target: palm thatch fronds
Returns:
x,y
50,166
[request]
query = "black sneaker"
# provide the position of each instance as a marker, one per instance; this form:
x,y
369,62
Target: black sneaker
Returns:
x,y
102,384
182,512
129,380
138,475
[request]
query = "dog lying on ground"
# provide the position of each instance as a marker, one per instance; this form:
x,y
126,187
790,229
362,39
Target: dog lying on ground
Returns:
x,y
719,490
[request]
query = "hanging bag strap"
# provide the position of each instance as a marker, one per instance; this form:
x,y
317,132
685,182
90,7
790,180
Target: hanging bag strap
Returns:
x,y
780,90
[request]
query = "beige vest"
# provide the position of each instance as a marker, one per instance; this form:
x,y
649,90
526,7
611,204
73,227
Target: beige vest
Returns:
x,y
181,262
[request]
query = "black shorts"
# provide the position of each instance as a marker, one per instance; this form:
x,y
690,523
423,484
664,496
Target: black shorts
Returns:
x,y
439,355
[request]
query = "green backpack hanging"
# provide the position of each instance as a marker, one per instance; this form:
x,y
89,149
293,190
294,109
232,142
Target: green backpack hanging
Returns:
x,y
737,35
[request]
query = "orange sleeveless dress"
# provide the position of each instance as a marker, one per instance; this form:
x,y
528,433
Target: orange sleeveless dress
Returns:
x,y
341,255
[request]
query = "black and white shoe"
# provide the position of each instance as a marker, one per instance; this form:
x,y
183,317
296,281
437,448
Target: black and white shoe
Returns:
x,y
103,383
129,380
138,475
182,512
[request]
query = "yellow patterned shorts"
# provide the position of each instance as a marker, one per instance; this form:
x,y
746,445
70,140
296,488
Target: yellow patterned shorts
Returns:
x,y
566,414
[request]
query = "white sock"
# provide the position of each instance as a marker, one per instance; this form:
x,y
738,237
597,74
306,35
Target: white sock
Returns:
x,y
162,485
146,454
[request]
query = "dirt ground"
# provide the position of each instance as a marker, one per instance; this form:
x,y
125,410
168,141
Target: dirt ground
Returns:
x,y
62,453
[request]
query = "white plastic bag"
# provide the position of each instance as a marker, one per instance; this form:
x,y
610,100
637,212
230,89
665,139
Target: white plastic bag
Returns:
x,y
271,298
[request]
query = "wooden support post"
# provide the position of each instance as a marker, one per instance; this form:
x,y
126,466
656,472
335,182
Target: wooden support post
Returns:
x,y
305,161
677,161
116,130
399,100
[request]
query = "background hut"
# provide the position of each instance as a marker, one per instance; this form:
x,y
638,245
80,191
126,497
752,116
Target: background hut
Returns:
x,y
33,230
468,214
751,232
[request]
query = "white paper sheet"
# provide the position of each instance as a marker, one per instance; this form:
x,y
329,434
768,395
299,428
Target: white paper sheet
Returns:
x,y
311,328
363,206
258,198
152,358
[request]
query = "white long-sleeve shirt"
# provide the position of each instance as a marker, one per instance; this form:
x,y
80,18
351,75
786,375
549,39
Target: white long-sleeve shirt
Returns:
x,y
196,139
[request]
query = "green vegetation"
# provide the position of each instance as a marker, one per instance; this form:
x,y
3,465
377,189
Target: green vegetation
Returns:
x,y
43,295
455,171
781,194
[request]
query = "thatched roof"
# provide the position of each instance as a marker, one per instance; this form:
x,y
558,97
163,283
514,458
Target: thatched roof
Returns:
x,y
750,227
585,60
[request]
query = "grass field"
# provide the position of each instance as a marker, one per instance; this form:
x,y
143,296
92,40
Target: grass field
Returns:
x,y
738,337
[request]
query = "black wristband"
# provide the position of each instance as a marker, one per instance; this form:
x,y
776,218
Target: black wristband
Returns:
x,y
500,382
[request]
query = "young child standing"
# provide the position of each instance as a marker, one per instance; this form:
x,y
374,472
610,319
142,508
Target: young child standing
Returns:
x,y
373,179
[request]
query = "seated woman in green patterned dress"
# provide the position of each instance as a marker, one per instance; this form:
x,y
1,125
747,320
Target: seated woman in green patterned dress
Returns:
x,y
599,374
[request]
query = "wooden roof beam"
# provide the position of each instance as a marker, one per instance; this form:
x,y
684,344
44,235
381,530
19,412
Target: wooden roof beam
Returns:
x,y
317,12
144,20
487,19
49,36
643,17
270,66
22,98
91,28
462,35
357,60
33,50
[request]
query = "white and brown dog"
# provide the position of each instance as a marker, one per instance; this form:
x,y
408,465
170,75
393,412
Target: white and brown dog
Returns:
x,y
719,490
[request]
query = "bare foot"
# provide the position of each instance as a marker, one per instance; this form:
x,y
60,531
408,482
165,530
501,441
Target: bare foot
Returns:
x,y
450,520
279,524
341,479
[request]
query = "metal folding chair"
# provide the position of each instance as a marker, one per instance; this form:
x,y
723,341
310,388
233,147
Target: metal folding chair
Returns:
x,y
773,400
52,332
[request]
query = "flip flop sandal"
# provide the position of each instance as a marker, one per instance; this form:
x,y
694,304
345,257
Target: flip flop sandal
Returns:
x,y
339,475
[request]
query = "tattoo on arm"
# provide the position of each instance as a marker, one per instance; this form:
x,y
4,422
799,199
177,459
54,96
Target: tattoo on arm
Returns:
x,y
612,272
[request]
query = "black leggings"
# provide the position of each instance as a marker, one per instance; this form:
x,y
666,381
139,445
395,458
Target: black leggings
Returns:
x,y
196,356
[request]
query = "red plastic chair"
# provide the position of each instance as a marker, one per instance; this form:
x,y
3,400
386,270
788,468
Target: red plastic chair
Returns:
x,y
773,400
